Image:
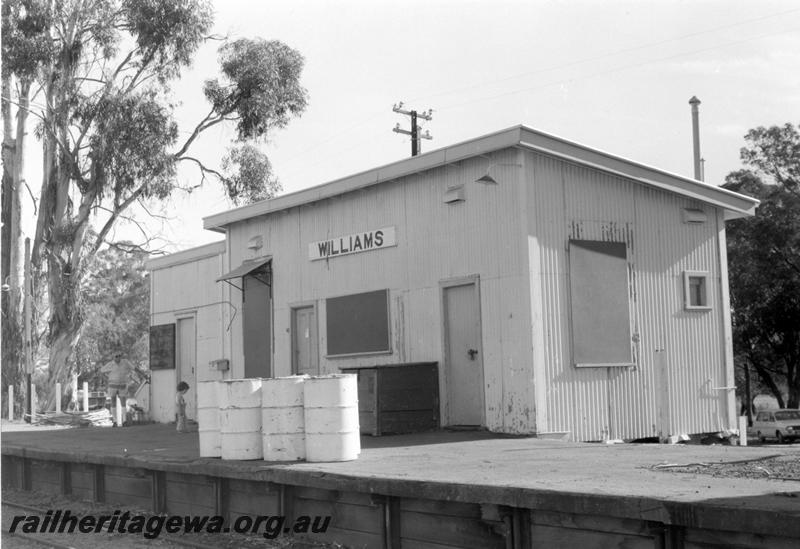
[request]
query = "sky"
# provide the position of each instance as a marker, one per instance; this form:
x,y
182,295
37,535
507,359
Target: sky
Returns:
x,y
613,75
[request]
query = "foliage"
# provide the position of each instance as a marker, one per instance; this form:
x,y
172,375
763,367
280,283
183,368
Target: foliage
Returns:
x,y
106,70
26,44
25,48
261,84
133,134
251,176
764,259
115,311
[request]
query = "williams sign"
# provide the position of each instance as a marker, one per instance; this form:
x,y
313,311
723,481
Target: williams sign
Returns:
x,y
352,243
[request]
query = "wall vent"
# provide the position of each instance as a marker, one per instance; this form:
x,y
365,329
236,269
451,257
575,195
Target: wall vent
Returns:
x,y
692,216
454,194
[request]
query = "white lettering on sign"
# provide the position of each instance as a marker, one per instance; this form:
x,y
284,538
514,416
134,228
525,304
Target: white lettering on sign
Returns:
x,y
352,244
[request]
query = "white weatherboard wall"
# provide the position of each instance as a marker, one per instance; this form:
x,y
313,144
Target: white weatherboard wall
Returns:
x,y
435,242
680,355
182,285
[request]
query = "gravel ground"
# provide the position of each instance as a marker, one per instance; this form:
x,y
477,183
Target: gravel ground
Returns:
x,y
781,468
103,540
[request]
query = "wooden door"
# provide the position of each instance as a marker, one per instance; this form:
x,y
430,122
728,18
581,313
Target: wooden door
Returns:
x,y
187,363
463,354
305,354
257,329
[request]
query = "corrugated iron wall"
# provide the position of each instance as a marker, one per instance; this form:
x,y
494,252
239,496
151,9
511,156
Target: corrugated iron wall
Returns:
x,y
436,242
187,289
679,354
524,288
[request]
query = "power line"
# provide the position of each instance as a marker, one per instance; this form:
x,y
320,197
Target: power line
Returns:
x,y
605,55
373,116
616,69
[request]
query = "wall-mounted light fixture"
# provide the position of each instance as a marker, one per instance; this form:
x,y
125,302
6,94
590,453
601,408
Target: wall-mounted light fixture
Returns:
x,y
487,178
255,243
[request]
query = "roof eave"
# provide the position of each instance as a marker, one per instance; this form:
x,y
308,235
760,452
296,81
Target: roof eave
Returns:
x,y
735,205
186,256
408,166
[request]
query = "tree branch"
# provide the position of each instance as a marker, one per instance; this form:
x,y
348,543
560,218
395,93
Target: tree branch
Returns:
x,y
42,118
203,170
785,259
118,209
129,248
106,90
151,214
33,199
204,124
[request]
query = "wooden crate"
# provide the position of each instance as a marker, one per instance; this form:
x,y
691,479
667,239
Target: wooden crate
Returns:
x,y
398,398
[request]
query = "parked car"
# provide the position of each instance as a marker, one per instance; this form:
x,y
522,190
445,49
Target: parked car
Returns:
x,y
782,425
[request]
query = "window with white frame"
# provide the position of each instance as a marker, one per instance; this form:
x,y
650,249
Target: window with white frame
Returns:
x,y
696,290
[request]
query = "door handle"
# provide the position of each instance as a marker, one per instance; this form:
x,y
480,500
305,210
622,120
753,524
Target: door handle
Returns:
x,y
472,353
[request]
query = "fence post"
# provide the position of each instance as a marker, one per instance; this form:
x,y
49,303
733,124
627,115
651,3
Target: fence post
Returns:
x,y
34,402
119,412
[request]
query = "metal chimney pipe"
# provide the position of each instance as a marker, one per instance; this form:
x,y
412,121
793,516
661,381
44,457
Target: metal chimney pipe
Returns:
x,y
694,102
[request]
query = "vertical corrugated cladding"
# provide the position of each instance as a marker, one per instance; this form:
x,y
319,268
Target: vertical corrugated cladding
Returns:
x,y
566,201
238,234
479,236
187,289
692,341
436,241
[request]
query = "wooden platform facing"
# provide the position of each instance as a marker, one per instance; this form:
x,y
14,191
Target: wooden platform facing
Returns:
x,y
435,490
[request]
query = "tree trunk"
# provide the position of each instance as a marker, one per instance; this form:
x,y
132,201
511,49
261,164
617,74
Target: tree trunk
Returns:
x,y
12,355
62,345
767,379
56,229
793,382
64,281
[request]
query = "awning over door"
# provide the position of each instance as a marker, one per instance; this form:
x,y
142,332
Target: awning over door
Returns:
x,y
247,267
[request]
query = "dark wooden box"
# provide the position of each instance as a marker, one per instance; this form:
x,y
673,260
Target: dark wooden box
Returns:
x,y
397,398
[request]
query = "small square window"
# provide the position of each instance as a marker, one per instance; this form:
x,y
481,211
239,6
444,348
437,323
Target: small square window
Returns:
x,y
695,290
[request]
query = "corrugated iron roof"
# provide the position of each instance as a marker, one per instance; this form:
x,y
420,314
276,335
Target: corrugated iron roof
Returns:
x,y
734,204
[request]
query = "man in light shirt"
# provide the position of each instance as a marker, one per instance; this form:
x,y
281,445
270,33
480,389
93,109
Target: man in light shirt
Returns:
x,y
118,372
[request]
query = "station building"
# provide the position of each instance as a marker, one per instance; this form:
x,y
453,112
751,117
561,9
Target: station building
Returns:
x,y
554,289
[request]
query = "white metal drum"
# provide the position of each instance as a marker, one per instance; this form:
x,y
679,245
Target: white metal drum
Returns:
x,y
331,418
208,419
240,419
282,419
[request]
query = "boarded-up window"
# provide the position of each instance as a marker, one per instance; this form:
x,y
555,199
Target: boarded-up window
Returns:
x,y
599,293
162,347
358,323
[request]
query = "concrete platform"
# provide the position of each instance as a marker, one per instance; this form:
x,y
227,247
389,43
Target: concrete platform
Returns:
x,y
556,490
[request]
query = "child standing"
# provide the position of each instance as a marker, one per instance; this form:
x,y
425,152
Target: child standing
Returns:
x,y
180,406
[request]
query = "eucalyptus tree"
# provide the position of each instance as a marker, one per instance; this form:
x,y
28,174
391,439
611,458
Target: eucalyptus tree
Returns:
x,y
105,118
764,258
25,48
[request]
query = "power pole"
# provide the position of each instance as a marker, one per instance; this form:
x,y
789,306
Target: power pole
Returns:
x,y
416,135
